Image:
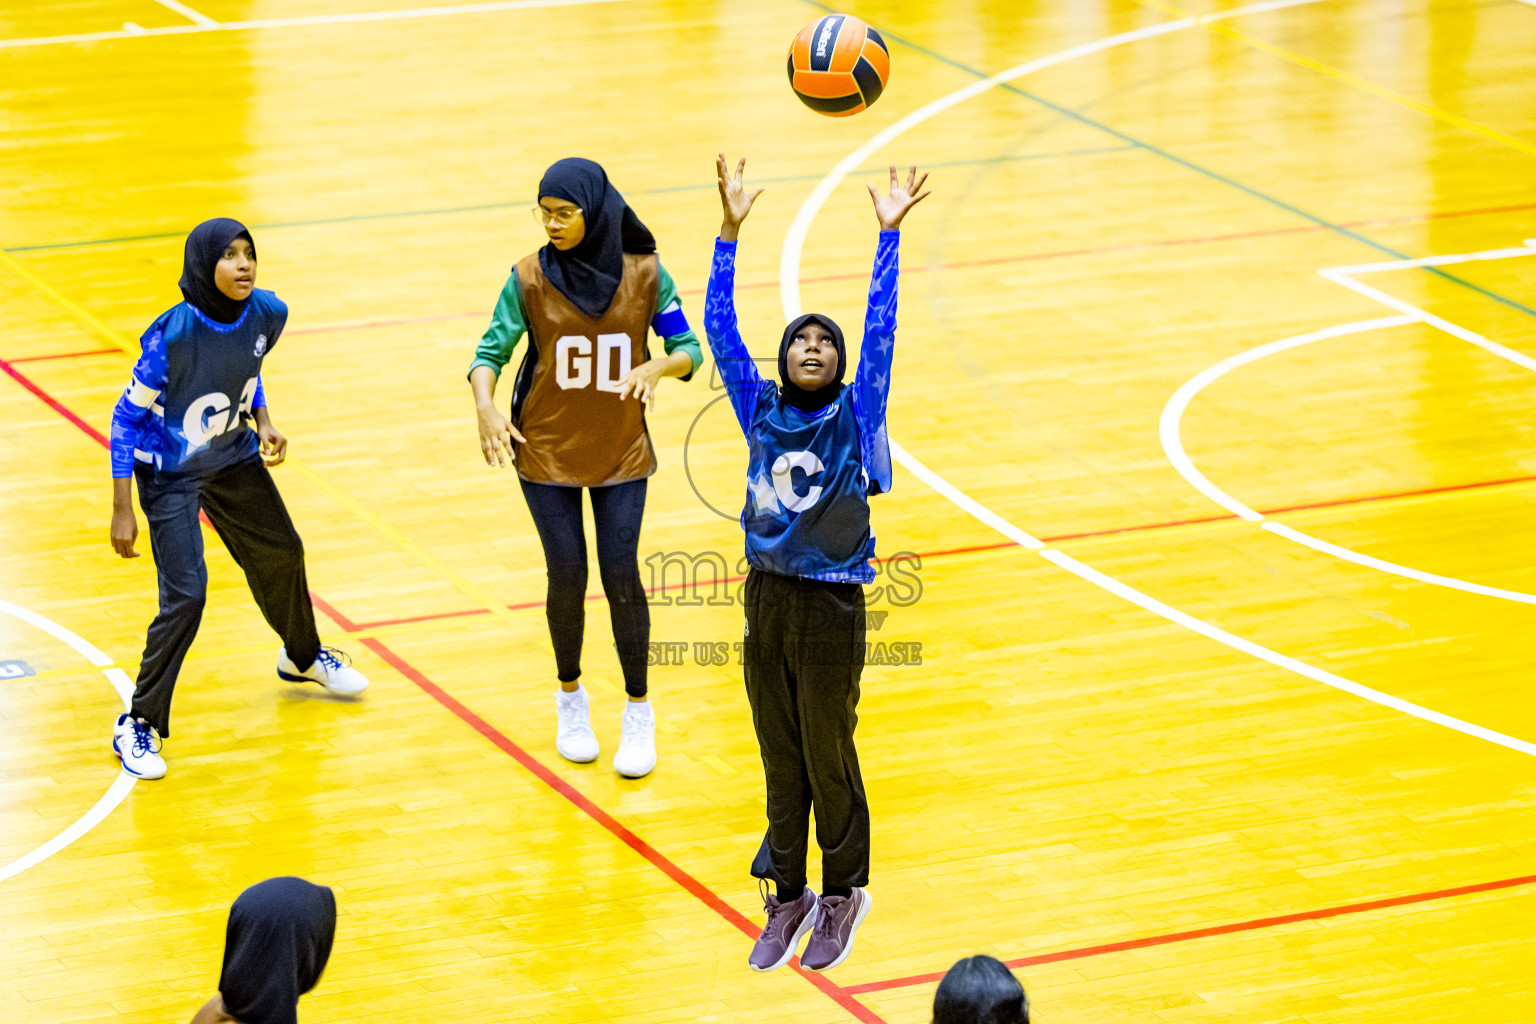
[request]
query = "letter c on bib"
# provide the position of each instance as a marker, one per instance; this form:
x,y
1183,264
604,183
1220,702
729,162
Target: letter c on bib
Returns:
x,y
783,483
573,362
196,425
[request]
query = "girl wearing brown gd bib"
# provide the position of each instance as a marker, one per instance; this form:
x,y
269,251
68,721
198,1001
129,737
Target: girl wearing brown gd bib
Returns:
x,y
587,301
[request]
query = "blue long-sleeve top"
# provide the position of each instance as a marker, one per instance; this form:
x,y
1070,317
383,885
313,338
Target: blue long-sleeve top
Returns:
x,y
194,387
809,475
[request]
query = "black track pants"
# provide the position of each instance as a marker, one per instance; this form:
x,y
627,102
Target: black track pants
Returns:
x,y
803,658
246,509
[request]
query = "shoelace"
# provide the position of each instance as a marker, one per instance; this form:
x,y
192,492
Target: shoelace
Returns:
x,y
826,921
144,739
332,658
570,716
775,908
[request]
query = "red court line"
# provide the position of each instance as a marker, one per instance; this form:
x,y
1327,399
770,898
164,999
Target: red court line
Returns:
x,y
69,355
1444,489
545,775
1221,929
1001,545
1002,260
843,996
693,886
53,403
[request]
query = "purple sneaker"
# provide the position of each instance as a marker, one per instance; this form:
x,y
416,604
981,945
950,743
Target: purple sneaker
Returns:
x,y
787,925
832,940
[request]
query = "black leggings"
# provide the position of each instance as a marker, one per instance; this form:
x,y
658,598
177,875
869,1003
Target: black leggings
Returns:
x,y
617,511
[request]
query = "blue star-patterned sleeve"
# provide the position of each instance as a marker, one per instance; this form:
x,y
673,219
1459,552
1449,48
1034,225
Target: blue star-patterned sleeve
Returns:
x,y
872,381
138,398
743,384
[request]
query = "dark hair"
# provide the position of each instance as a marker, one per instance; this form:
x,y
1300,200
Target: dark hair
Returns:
x,y
980,990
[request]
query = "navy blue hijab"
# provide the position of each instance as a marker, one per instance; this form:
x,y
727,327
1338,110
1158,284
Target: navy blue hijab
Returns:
x,y
278,940
589,272
205,247
794,394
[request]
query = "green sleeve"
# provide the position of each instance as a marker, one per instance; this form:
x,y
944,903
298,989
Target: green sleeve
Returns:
x,y
666,297
508,324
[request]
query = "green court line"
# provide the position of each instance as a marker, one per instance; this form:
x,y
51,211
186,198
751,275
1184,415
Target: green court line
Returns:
x,y
485,207
1126,137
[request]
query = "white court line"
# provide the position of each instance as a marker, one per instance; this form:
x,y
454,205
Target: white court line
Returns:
x,y
120,786
299,22
196,17
1173,412
1527,249
789,296
794,241
1169,433
1341,276
1220,635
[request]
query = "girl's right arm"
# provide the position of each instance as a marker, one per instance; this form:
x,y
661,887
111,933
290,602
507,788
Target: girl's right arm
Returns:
x,y
494,352
128,419
743,384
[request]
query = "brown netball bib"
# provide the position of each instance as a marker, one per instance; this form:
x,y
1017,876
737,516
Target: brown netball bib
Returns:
x,y
579,431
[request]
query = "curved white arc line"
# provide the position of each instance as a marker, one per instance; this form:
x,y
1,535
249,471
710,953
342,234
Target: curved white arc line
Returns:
x,y
1168,427
1173,447
1157,607
789,293
794,241
120,785
87,821
1405,571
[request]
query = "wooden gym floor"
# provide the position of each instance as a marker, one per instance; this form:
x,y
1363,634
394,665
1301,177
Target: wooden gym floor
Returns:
x,y
1251,742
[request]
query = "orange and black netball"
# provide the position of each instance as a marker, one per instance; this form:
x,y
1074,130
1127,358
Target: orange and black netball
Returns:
x,y
838,65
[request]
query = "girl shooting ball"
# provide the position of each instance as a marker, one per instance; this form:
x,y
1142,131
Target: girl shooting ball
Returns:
x,y
817,451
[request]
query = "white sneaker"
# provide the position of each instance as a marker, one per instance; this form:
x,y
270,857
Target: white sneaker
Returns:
x,y
575,739
138,746
637,748
332,669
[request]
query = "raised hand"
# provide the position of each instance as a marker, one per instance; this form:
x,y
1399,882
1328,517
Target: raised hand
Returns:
x,y
892,208
735,203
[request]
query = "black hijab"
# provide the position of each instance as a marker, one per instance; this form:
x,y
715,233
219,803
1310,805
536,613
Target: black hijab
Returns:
x,y
794,394
278,941
205,247
588,273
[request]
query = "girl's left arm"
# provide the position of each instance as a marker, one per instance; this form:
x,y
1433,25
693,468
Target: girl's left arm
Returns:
x,y
274,445
683,355
672,325
872,381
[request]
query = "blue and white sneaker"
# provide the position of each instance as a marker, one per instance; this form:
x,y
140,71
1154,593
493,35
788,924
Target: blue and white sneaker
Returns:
x,y
138,746
332,670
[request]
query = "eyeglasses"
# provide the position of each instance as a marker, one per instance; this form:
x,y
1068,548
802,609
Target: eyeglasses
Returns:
x,y
556,218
